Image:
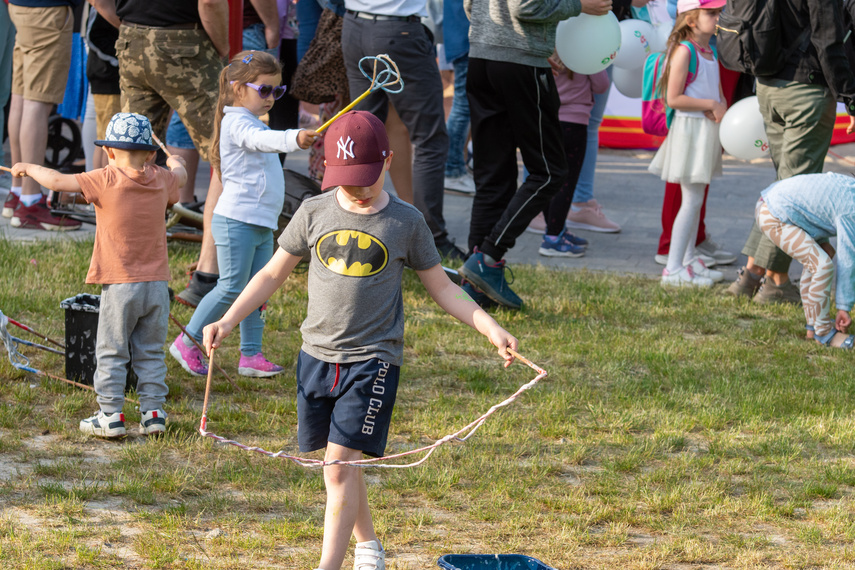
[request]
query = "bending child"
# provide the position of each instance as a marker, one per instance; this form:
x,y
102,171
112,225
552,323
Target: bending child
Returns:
x,y
691,153
129,260
245,153
359,238
799,214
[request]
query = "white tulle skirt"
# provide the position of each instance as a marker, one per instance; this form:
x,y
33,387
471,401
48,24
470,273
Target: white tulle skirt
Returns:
x,y
691,152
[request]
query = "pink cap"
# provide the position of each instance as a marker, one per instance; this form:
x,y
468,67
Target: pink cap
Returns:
x,y
356,146
686,5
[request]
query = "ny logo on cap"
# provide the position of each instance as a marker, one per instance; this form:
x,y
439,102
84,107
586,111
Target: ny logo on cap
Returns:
x,y
345,147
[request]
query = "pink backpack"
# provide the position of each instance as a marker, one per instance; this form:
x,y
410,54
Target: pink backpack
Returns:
x,y
655,115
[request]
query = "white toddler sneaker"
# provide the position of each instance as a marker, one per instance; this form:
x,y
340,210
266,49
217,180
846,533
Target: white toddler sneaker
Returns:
x,y
699,268
684,278
369,556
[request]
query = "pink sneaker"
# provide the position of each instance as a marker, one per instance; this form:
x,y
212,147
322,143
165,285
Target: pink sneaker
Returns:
x,y
257,366
190,358
590,217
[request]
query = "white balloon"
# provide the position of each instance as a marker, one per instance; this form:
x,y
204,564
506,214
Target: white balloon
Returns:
x,y
588,44
635,36
742,131
661,33
628,81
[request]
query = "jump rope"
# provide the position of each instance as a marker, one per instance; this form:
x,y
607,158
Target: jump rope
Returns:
x,y
460,435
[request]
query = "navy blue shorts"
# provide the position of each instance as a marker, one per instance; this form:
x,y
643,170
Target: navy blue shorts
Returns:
x,y
346,404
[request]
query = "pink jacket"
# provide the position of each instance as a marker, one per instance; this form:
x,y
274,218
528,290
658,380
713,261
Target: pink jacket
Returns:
x,y
577,95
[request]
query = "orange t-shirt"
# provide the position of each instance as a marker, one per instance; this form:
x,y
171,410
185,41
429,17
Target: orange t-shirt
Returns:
x,y
130,234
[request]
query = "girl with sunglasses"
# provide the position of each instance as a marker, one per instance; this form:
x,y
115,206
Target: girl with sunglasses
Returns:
x,y
244,153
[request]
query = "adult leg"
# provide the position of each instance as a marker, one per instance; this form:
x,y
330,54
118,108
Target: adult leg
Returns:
x,y
31,139
537,133
495,166
420,107
401,171
575,141
458,122
799,122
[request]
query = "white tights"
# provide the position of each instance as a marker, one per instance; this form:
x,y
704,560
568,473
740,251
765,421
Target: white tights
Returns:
x,y
685,228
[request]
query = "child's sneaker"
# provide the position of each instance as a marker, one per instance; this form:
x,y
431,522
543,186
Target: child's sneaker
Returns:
x,y
699,268
684,278
104,425
153,422
561,246
190,358
369,556
257,366
490,279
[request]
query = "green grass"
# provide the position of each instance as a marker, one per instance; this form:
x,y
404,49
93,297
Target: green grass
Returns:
x,y
676,429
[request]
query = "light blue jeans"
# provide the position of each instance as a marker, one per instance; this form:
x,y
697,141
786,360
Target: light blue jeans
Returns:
x,y
242,250
585,185
458,121
253,38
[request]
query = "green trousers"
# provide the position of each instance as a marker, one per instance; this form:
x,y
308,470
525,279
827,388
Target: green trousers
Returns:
x,y
799,121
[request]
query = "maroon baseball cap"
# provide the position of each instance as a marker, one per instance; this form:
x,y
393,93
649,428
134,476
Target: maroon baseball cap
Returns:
x,y
356,146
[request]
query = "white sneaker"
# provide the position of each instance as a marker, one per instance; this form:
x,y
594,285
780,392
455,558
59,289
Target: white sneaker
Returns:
x,y
663,259
153,422
104,425
684,278
369,556
463,183
700,269
711,249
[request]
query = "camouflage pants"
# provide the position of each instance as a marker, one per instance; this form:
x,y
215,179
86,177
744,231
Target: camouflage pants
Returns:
x,y
815,286
162,68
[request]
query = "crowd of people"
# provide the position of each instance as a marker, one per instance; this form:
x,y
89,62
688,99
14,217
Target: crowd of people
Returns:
x,y
159,67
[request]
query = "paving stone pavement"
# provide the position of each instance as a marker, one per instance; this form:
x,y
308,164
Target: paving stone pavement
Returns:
x,y
630,196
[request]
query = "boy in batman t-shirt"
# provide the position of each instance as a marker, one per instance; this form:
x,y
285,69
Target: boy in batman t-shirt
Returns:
x,y
359,238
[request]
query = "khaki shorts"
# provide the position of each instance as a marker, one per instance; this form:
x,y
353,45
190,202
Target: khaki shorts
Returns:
x,y
105,107
42,55
161,68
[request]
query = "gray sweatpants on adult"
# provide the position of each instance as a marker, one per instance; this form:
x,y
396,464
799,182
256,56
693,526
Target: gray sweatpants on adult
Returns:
x,y
420,104
132,320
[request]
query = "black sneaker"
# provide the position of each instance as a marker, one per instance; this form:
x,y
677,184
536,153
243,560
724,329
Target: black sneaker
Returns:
x,y
195,291
449,250
490,279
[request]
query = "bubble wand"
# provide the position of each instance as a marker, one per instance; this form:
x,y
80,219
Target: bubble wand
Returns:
x,y
385,79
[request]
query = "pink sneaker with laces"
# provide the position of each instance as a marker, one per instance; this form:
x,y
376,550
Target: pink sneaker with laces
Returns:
x,y
256,366
590,217
190,358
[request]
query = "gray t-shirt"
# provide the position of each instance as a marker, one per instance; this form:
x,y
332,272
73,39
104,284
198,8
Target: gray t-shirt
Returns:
x,y
356,308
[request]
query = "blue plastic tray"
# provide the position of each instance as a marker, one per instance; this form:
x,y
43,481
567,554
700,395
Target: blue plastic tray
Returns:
x,y
491,562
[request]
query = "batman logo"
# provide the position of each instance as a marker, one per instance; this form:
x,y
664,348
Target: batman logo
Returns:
x,y
352,253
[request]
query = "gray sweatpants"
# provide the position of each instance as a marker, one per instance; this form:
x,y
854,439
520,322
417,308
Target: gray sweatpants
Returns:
x,y
133,319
